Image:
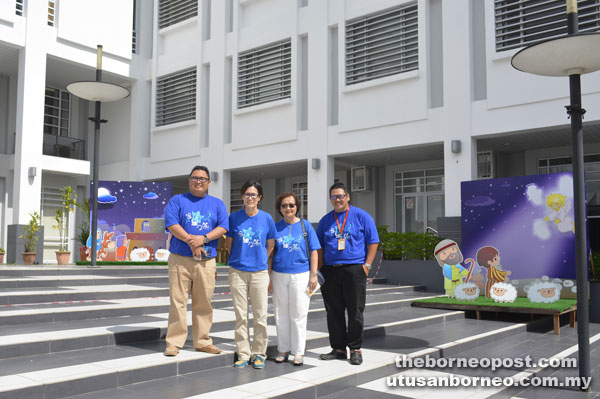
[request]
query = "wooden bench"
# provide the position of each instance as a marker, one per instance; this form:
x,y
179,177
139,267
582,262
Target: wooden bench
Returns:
x,y
482,308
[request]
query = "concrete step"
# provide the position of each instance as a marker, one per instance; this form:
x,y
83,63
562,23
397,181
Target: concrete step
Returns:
x,y
315,379
534,344
79,330
92,369
102,348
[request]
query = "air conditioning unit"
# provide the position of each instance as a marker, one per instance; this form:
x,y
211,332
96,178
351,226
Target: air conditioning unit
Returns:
x,y
485,165
360,178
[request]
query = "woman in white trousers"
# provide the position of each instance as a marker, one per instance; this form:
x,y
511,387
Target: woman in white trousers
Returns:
x,y
293,270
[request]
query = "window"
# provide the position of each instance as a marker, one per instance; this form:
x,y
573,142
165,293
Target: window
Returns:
x,y
235,200
485,165
525,22
300,190
176,97
171,12
264,74
419,199
51,12
19,6
57,106
382,44
134,30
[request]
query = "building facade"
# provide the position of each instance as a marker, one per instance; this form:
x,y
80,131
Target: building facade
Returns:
x,y
400,100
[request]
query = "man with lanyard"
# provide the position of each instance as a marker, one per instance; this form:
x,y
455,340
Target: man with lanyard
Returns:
x,y
349,241
196,220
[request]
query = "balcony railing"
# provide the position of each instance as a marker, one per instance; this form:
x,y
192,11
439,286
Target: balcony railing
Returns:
x,y
65,147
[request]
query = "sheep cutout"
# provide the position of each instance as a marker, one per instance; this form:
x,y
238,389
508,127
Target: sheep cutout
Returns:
x,y
544,292
466,292
162,255
139,255
503,292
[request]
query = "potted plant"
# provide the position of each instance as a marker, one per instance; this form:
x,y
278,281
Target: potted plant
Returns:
x,y
2,255
68,201
84,228
30,237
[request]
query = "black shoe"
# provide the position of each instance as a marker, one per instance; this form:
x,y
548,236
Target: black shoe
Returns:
x,y
356,357
334,354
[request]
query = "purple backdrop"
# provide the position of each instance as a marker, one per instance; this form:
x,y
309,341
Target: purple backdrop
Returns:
x,y
509,214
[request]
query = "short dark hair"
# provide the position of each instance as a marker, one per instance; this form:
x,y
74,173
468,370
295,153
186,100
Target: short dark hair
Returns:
x,y
283,196
485,255
338,185
200,167
251,183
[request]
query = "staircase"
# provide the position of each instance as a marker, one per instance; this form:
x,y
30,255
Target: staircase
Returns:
x,y
87,332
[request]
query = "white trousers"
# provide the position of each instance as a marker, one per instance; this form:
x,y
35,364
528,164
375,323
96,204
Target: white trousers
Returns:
x,y
291,310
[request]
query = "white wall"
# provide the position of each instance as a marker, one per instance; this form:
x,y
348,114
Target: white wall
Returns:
x,y
94,22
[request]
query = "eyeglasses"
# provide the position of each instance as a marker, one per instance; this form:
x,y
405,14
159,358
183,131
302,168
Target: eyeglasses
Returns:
x,y
337,197
250,196
196,179
286,206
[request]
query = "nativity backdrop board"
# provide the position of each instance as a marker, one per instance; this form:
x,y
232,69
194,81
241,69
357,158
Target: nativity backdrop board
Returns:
x,y
527,220
131,221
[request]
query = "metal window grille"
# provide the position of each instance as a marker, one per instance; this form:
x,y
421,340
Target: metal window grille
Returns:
x,y
525,22
419,181
300,190
134,29
134,42
265,74
51,12
176,97
382,44
235,200
485,165
171,12
57,108
19,7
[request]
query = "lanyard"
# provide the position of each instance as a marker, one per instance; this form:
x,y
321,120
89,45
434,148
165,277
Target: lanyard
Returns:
x,y
341,229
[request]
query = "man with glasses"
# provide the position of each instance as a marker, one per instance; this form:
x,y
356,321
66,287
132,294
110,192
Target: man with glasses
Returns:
x,y
349,241
196,221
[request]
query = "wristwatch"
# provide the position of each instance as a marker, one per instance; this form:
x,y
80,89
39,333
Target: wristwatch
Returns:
x,y
368,265
206,239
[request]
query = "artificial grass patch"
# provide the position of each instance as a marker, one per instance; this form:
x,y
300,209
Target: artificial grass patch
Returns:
x,y
127,263
122,263
524,303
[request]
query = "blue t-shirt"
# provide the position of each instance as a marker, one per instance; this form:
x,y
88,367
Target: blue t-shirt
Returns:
x,y
359,232
290,255
250,235
198,216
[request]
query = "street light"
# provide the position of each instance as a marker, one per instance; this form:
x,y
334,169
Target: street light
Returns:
x,y
571,55
99,92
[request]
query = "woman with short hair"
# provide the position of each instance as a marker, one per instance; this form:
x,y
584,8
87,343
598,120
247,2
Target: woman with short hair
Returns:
x,y
293,276
250,240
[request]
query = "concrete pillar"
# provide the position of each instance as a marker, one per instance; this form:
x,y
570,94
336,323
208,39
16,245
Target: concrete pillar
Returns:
x,y
319,182
217,124
460,166
270,193
319,179
30,115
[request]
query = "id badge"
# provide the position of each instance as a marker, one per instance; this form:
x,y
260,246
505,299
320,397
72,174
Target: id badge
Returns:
x,y
341,244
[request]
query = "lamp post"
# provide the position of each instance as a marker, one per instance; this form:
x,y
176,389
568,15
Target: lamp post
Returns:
x,y
98,92
571,55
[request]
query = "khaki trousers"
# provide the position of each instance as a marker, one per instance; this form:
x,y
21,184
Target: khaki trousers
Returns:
x,y
255,285
186,276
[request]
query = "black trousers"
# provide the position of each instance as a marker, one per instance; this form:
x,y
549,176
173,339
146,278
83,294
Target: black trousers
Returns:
x,y
345,290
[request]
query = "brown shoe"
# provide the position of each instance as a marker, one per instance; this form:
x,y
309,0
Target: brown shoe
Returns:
x,y
209,349
171,351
